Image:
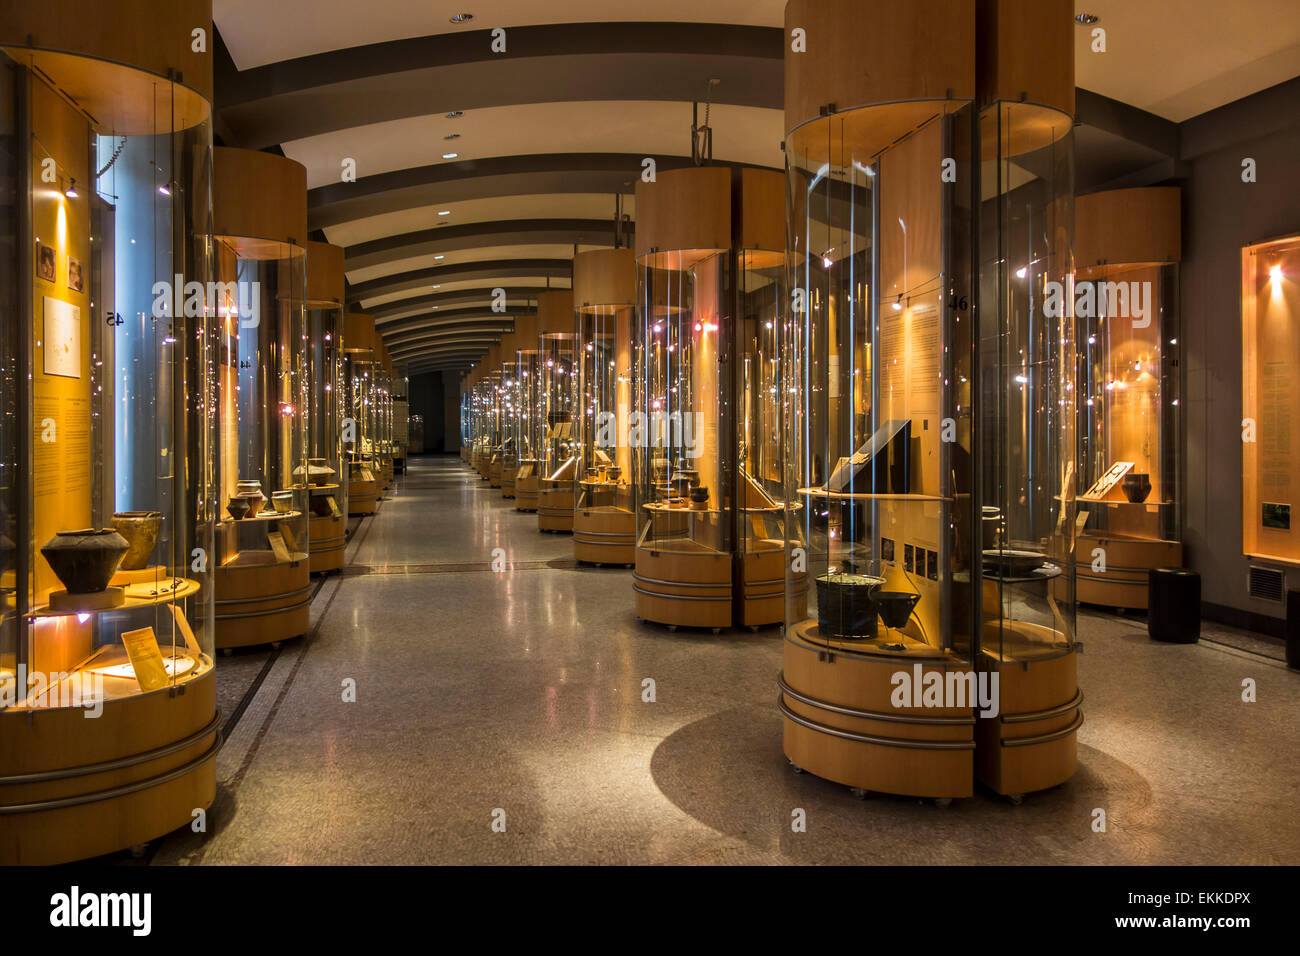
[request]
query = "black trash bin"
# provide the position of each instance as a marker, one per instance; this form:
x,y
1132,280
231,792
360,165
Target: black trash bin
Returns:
x,y
1174,605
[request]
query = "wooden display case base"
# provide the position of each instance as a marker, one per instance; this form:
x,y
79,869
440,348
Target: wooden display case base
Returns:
x,y
259,603
363,498
764,578
75,788
494,473
327,541
1032,744
1124,582
508,485
604,536
527,494
555,500
683,588
840,724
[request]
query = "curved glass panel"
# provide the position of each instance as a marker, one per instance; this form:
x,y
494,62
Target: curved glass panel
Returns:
x,y
112,491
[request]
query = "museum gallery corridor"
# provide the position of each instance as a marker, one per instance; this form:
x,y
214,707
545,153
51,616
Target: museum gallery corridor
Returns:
x,y
521,691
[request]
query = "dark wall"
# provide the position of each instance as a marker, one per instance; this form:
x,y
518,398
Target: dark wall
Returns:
x,y
451,412
1220,215
425,393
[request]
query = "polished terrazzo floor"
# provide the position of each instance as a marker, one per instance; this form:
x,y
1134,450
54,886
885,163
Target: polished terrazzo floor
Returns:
x,y
479,692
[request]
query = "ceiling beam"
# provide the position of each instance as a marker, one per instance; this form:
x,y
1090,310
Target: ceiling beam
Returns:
x,y
479,235
449,182
432,75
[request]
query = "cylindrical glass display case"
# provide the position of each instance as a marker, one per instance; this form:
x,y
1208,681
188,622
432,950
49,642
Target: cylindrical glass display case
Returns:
x,y
324,472
358,431
527,431
709,503
107,438
401,421
513,404
555,407
263,389
1127,247
928,386
496,425
604,295
382,405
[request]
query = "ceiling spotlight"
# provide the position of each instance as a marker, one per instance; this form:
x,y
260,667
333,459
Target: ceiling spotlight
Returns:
x,y
1022,272
455,114
897,304
444,212
450,155
440,256
165,189
71,191
462,18
1087,19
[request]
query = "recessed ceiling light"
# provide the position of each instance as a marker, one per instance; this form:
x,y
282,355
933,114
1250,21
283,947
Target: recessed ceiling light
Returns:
x,y
455,114
450,155
444,212
1087,19
440,257
437,287
462,18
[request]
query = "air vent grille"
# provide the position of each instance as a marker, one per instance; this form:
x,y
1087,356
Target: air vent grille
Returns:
x,y
1267,583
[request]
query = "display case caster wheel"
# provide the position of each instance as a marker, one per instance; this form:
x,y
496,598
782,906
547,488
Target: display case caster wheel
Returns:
x,y
795,767
672,628
275,645
227,651
1015,799
717,630
139,850
858,792
943,801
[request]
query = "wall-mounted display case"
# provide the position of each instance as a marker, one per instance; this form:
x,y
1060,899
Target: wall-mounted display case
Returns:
x,y
1270,400
107,439
556,401
358,433
604,295
1127,247
326,473
711,541
930,440
263,389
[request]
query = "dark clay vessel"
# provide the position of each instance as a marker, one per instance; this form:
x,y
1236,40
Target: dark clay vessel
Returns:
x,y
1136,486
85,560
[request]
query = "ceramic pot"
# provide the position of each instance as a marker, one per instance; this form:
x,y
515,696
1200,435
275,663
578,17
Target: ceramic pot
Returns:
x,y
895,607
251,491
614,473
282,501
140,529
238,507
699,499
1136,486
84,561
844,605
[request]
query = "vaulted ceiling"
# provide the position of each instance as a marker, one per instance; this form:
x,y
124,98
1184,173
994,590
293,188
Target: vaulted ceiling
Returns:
x,y
478,169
